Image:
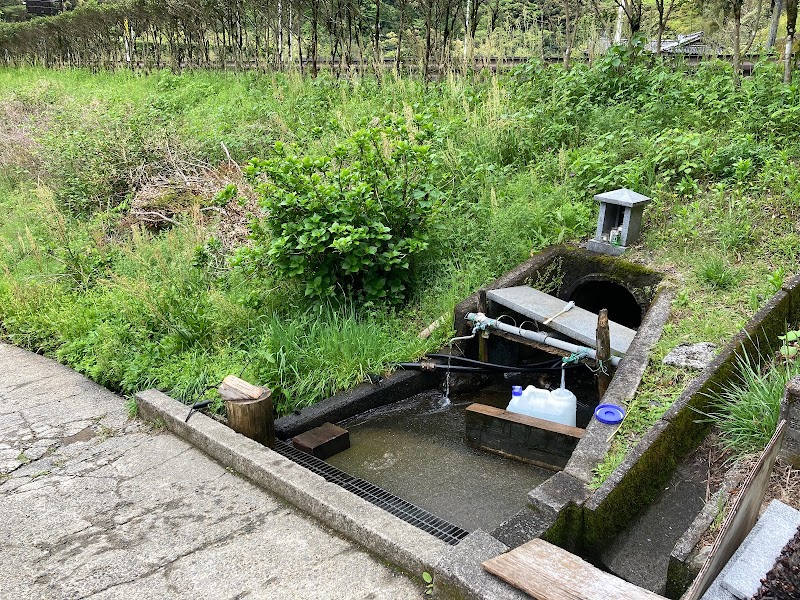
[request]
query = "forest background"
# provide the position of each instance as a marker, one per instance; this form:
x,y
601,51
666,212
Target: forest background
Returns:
x,y
426,36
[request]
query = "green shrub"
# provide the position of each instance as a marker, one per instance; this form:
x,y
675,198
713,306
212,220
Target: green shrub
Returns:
x,y
353,220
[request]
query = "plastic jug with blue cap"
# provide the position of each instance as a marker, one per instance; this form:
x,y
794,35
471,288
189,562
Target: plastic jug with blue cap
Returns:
x,y
558,406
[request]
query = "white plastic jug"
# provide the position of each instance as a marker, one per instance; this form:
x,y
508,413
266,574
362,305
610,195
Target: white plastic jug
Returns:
x,y
564,405
558,406
516,399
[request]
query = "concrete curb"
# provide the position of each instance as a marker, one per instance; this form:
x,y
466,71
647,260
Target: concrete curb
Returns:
x,y
594,446
378,531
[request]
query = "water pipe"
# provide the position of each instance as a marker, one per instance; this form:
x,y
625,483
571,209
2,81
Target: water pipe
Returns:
x,y
481,322
463,337
536,367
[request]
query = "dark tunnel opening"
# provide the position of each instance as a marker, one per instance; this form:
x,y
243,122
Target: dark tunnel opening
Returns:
x,y
620,302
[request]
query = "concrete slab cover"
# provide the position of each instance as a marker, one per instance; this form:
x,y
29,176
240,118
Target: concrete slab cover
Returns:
x,y
131,512
577,323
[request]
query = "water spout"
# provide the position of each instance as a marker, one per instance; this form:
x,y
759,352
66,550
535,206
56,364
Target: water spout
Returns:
x,y
445,401
462,338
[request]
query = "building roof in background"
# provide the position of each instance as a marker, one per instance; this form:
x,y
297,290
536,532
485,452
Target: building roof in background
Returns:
x,y
43,8
686,43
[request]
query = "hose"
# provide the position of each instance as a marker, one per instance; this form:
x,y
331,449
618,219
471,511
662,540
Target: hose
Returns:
x,y
431,366
534,368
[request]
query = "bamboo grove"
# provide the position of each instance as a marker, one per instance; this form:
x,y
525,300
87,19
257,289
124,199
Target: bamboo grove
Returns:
x,y
248,33
406,35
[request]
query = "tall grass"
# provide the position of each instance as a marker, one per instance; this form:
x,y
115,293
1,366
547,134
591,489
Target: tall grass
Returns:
x,y
746,410
516,158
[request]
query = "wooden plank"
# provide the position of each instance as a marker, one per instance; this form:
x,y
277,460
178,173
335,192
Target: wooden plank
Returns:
x,y
526,342
520,437
740,518
548,572
603,347
578,324
483,337
499,413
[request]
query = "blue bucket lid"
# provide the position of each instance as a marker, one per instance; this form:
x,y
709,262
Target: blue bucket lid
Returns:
x,y
516,390
610,414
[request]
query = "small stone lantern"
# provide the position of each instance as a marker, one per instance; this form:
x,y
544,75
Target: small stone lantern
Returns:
x,y
620,221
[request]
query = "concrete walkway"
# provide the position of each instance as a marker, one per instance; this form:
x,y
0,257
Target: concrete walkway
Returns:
x,y
97,506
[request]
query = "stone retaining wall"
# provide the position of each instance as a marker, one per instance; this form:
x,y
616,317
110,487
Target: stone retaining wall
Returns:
x,y
643,473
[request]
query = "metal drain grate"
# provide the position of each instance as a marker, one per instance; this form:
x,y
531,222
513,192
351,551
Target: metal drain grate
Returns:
x,y
416,516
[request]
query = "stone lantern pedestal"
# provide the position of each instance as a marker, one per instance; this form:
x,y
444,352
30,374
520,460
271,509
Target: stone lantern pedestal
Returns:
x,y
620,221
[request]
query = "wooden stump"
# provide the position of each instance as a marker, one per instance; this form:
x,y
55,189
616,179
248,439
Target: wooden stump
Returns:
x,y
249,409
483,336
603,354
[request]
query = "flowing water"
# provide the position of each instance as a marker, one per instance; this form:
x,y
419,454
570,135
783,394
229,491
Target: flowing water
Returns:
x,y
445,400
415,449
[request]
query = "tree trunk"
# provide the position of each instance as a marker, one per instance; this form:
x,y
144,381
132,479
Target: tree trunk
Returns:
x,y
300,42
428,47
791,23
777,8
467,30
314,36
289,36
737,29
659,37
397,61
568,48
618,26
279,31
377,42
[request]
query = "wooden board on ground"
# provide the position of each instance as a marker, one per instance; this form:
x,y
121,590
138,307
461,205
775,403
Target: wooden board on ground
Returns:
x,y
577,323
740,517
520,437
547,572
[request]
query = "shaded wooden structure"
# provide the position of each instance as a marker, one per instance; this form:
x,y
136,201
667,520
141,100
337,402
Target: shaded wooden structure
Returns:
x,y
323,441
44,8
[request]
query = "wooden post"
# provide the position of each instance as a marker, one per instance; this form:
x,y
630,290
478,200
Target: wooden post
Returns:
x,y
249,409
483,336
603,353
